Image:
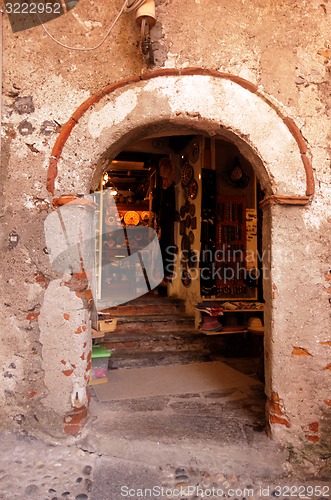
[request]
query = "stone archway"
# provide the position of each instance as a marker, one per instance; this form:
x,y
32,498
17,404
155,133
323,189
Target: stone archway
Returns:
x,y
203,101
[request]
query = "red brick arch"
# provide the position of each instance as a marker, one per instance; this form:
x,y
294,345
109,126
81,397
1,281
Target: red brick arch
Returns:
x,y
252,88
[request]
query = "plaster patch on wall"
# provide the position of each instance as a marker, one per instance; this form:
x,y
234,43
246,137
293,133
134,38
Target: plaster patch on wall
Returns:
x,y
112,113
318,213
33,291
29,201
182,93
62,312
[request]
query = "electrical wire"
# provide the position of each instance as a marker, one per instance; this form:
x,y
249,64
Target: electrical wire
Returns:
x,y
134,4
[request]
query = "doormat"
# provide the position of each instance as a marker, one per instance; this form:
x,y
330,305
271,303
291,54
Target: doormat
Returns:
x,y
134,383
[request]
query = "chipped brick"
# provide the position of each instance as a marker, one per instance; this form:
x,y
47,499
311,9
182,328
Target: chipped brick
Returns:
x,y
313,426
32,316
312,439
274,419
300,351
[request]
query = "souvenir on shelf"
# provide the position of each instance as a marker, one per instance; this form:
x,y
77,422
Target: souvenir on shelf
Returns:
x,y
131,218
145,216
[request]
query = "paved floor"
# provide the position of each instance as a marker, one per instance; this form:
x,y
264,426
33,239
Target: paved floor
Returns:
x,y
209,445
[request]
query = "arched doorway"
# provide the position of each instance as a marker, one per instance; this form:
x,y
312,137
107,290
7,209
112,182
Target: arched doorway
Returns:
x,y
204,102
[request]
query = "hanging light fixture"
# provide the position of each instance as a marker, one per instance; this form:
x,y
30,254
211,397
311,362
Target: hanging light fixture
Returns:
x,y
113,190
107,183
105,178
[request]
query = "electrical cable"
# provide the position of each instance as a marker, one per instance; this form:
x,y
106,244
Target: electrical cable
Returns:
x,y
135,4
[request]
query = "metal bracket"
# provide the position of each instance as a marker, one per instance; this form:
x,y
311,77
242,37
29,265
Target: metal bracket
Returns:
x,y
146,44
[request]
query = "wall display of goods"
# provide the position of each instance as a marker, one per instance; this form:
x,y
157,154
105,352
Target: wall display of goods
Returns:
x,y
128,218
186,214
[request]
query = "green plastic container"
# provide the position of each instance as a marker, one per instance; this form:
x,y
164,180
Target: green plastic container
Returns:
x,y
100,360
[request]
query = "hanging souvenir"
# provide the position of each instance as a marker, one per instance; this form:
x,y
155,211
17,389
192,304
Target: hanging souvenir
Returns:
x,y
187,174
192,259
192,210
186,278
193,189
195,152
182,227
182,211
193,223
183,160
185,245
191,236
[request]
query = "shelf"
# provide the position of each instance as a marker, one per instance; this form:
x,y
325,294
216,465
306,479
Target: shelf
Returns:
x,y
241,310
223,333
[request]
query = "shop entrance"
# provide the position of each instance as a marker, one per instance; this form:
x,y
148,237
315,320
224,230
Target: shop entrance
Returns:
x,y
218,106
211,228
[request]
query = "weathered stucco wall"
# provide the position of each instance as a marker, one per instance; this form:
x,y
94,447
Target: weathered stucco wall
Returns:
x,y
283,48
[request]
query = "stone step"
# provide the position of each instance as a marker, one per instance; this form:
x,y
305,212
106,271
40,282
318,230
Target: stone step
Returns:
x,y
157,323
154,340
175,346
156,358
147,306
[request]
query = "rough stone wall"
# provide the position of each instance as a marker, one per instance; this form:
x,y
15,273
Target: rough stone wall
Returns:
x,y
284,47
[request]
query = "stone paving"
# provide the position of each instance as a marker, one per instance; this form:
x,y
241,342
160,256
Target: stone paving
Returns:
x,y
208,445
30,468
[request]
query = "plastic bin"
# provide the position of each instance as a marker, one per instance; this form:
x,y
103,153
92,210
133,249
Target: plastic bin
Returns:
x,y
100,360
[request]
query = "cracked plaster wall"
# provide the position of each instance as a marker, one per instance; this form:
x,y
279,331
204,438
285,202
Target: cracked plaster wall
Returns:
x,y
245,38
